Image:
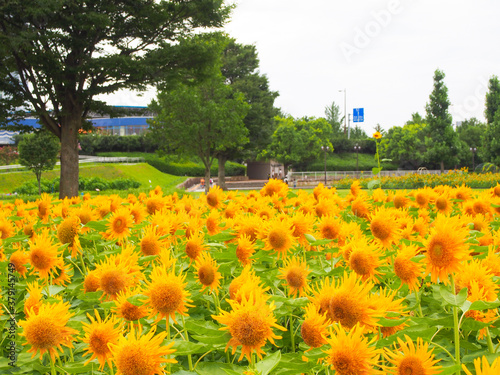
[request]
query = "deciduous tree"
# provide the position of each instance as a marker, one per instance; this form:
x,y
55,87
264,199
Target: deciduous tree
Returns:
x,y
39,152
58,56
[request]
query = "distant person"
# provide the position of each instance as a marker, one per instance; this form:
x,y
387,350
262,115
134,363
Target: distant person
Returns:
x,y
202,182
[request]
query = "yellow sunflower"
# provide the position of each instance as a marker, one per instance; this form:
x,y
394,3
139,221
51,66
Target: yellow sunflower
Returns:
x,y
365,258
6,228
154,204
384,227
114,277
151,241
46,331
138,212
329,227
295,273
245,249
19,259
119,224
360,207
483,367
401,199
98,334
446,248
274,186
125,309
250,324
476,271
314,330
351,353
195,246
166,294
302,224
408,269
44,255
141,354
443,204
377,135
212,222
44,204
278,236
215,197
246,283
408,358
67,233
34,300
248,225
207,272
91,282
347,301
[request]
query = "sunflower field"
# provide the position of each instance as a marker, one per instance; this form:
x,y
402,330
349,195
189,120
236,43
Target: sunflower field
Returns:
x,y
269,282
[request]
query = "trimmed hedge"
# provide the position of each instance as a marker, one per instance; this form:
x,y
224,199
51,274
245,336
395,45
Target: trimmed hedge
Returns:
x,y
190,168
84,184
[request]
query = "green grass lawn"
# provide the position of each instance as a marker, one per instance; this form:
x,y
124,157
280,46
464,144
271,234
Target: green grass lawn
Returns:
x,y
143,173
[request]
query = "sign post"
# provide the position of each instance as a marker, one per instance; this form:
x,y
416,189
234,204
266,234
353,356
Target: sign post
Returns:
x,y
358,114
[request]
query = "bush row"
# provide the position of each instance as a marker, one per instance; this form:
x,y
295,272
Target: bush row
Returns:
x,y
84,184
190,168
92,143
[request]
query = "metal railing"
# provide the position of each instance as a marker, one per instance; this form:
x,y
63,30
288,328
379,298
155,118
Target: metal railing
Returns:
x,y
339,175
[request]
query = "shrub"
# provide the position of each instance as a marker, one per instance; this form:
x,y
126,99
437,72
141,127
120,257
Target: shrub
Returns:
x,y
84,184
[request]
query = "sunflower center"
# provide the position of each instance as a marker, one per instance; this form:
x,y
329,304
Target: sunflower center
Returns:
x,y
149,246
212,199
381,229
243,252
193,249
399,201
421,199
119,225
496,190
40,259
345,309
411,366
113,281
91,283
42,333
441,204
166,297
439,254
311,335
480,208
133,359
277,239
131,312
360,263
98,342
295,278
344,363
249,329
404,269
329,232
206,274
211,225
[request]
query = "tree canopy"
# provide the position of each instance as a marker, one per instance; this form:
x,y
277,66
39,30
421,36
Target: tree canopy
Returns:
x,y
57,56
39,152
441,142
200,119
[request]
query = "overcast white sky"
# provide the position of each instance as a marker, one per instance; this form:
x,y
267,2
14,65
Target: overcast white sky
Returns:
x,y
383,52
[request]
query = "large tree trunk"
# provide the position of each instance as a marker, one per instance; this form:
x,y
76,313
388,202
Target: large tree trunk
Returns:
x,y
69,159
222,172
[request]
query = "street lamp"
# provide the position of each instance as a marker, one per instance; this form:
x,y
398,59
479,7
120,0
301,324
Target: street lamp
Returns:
x,y
325,149
473,150
357,148
345,111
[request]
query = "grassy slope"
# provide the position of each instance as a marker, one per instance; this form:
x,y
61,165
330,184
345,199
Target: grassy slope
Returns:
x,y
140,172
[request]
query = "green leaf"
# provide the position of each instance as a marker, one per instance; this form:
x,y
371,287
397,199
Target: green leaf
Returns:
x,y
99,226
482,305
452,299
79,368
376,171
217,368
269,363
137,300
373,183
310,238
450,369
321,242
222,236
186,347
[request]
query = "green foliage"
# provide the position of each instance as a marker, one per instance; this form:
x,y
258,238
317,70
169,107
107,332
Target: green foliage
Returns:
x,y
53,62
441,142
345,162
8,154
405,146
94,143
240,65
38,152
200,120
296,142
190,168
84,184
492,99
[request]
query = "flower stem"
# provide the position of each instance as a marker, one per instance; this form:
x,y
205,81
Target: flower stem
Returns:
x,y
488,340
52,367
456,328
417,297
292,333
186,337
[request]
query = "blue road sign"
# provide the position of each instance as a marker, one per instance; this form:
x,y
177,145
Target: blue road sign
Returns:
x,y
358,114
